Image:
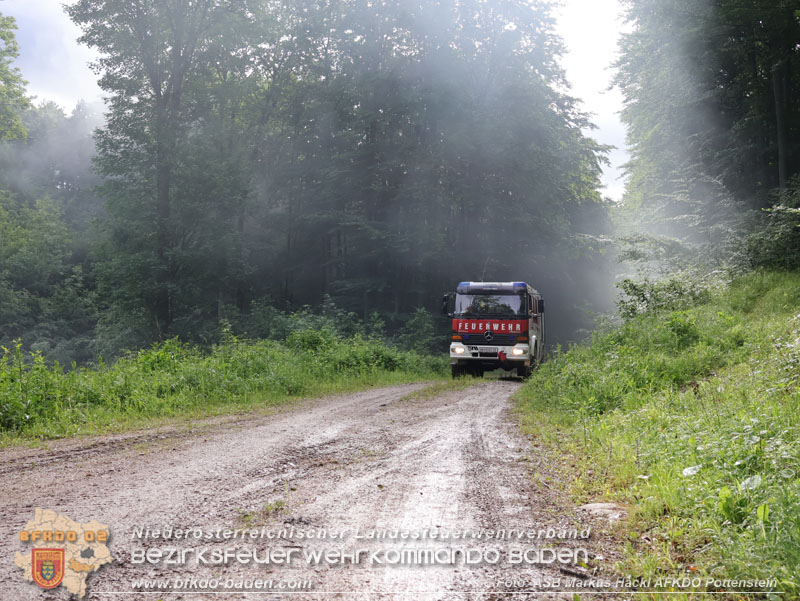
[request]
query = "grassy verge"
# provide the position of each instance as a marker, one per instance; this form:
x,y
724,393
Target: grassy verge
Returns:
x,y
690,414
40,400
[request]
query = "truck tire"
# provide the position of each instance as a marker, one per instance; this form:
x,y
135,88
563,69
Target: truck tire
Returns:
x,y
456,371
524,372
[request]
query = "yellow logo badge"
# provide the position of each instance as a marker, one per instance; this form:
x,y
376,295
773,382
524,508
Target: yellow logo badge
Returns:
x,y
65,551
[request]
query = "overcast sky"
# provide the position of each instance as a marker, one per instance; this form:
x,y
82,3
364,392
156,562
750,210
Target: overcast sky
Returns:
x,y
590,29
51,60
56,69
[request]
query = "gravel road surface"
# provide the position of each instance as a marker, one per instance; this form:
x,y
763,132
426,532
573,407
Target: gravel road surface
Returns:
x,y
406,484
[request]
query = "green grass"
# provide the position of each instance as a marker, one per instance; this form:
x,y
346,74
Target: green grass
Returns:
x,y
40,400
691,416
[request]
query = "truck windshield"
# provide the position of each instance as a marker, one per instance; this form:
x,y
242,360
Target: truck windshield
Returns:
x,y
490,305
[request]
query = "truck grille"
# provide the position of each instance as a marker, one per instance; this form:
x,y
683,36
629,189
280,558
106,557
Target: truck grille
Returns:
x,y
479,340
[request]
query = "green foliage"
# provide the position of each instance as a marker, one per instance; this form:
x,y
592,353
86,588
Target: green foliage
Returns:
x,y
309,340
687,412
12,87
376,325
266,321
776,242
54,161
172,378
174,154
47,295
42,299
648,296
420,334
293,151
683,326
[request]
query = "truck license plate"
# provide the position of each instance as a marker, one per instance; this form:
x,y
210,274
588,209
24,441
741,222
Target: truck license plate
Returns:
x,y
483,349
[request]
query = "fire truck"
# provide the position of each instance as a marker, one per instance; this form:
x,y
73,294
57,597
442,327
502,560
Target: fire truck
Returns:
x,y
496,325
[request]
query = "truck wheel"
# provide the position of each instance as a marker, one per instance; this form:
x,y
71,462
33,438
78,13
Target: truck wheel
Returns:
x,y
456,370
524,372
476,372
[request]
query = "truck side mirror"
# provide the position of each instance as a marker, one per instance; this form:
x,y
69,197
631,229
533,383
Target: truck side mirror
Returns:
x,y
445,303
540,307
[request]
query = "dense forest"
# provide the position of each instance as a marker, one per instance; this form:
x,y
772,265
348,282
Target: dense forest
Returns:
x,y
359,158
712,107
258,156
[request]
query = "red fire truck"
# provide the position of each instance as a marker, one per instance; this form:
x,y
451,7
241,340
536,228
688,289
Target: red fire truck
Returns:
x,y
496,325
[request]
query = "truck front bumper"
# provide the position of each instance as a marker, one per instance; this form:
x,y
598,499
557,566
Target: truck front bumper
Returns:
x,y
507,357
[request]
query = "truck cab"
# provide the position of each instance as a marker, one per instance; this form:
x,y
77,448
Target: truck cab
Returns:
x,y
495,325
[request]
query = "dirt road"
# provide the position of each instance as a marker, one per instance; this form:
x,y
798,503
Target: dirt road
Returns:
x,y
329,474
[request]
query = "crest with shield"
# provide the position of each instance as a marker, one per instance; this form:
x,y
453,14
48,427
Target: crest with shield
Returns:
x,y
48,567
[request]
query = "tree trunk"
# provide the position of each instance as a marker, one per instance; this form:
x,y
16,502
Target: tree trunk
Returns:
x,y
163,175
779,93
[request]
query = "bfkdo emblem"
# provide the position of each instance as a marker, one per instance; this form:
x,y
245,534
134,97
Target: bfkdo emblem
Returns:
x,y
48,567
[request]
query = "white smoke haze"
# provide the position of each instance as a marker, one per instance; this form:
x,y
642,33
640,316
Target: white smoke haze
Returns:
x,y
56,67
678,213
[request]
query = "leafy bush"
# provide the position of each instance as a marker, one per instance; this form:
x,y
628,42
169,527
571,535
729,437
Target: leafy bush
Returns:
x,y
776,242
310,340
683,326
419,334
646,296
267,321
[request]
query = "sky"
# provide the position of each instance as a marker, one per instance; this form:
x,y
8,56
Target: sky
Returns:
x,y
51,60
590,30
56,66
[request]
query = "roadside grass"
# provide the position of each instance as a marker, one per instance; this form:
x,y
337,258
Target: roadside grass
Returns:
x,y
257,518
174,380
690,415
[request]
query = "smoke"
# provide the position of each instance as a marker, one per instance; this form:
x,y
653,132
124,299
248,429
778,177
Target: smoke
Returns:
x,y
55,161
680,208
376,153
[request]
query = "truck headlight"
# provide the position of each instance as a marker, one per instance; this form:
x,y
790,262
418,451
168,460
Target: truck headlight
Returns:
x,y
517,351
459,350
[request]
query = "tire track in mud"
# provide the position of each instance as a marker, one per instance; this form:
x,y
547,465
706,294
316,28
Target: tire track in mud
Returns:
x,y
373,461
